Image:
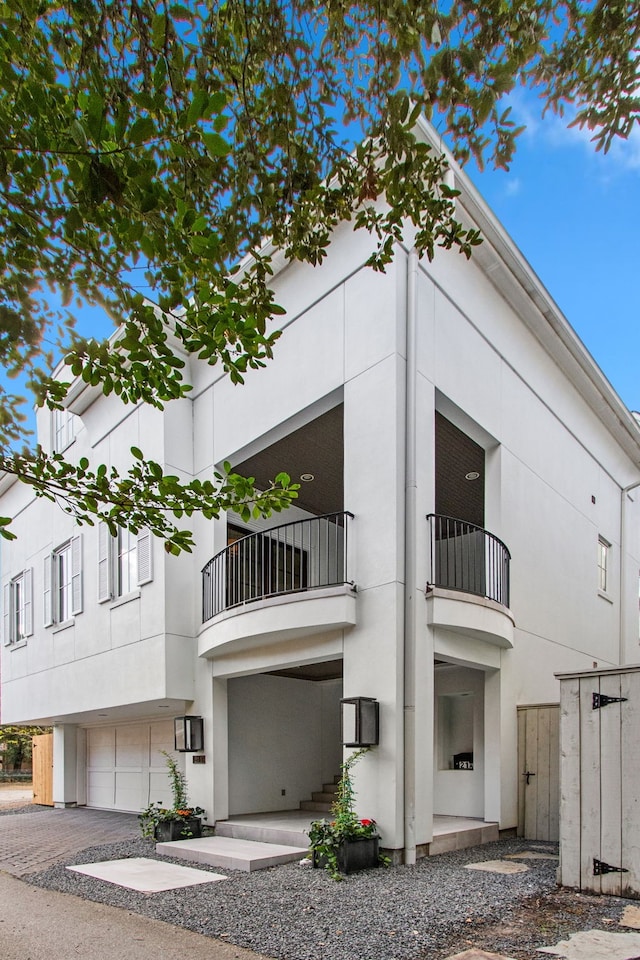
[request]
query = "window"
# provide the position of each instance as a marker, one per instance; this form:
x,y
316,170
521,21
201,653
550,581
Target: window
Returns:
x,y
604,548
17,608
63,582
124,562
63,430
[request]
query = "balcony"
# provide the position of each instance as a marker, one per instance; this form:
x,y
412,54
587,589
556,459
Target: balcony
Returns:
x,y
289,581
468,581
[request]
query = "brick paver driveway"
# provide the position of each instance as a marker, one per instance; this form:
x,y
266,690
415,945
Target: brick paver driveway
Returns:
x,y
33,841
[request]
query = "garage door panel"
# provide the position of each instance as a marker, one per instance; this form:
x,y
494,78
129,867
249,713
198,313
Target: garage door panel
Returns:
x,y
131,746
160,789
100,788
101,748
128,790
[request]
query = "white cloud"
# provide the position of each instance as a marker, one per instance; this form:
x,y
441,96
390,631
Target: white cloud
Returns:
x,y
554,131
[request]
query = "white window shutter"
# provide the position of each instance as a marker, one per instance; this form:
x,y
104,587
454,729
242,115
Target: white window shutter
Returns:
x,y
144,554
6,614
47,597
76,575
104,563
28,601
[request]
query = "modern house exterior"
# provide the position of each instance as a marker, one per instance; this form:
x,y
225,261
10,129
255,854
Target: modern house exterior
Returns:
x,y
467,526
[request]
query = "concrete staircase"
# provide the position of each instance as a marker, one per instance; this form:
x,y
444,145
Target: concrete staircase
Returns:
x,y
323,800
255,841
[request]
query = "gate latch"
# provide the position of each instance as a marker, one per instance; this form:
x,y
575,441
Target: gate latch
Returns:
x,y
528,775
600,868
602,700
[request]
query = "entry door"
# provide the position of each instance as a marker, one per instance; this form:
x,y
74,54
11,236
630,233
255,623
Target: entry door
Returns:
x,y
538,772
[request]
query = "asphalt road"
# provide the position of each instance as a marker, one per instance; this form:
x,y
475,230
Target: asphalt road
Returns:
x,y
38,924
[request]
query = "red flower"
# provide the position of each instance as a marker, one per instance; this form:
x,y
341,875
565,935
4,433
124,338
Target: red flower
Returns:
x,y
367,823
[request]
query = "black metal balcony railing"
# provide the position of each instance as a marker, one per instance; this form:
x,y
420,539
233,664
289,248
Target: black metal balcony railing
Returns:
x,y
467,558
292,557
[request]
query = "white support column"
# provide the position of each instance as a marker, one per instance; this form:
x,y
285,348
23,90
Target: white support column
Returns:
x,y
65,765
492,746
220,750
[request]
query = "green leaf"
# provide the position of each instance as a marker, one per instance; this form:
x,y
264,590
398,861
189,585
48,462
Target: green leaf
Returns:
x,y
143,129
216,145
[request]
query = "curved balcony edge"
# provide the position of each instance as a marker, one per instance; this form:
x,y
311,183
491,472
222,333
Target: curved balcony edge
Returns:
x,y
285,617
470,615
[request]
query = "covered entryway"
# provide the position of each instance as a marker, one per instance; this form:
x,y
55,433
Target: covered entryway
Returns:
x,y
125,767
284,736
539,772
459,741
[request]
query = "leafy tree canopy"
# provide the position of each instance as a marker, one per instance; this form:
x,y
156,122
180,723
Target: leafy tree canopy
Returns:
x,y
146,148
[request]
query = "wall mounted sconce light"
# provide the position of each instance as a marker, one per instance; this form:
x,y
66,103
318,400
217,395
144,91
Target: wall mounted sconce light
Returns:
x,y
360,721
189,734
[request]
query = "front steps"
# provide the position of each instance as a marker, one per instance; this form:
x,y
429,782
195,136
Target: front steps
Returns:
x,y
458,833
323,800
232,853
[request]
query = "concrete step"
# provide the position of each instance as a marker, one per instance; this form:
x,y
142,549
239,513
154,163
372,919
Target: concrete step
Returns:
x,y
232,853
293,835
331,788
460,839
315,805
323,796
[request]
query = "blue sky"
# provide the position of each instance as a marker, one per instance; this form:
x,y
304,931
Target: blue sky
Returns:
x,y
575,215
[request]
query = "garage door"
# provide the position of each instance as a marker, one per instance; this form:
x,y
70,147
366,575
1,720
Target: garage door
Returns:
x,y
125,768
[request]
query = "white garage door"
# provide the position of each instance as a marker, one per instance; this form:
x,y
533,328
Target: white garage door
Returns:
x,y
125,769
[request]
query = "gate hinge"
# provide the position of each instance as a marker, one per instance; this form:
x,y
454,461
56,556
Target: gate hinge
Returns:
x,y
602,700
600,868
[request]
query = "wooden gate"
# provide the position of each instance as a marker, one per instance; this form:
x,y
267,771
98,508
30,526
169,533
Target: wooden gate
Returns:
x,y
538,772
600,781
43,769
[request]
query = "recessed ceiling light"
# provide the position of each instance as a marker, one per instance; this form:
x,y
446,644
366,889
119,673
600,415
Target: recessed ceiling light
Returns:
x,y
473,475
307,477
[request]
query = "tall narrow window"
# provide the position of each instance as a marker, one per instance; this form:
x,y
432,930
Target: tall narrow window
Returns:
x,y
62,584
63,429
604,548
17,613
125,562
126,578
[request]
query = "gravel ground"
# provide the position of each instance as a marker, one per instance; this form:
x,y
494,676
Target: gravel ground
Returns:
x,y
7,808
293,912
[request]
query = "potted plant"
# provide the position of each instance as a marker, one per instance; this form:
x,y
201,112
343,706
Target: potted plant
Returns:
x,y
345,843
178,822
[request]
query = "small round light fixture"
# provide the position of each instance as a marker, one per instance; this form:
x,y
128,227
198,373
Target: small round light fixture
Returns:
x,y
473,475
307,477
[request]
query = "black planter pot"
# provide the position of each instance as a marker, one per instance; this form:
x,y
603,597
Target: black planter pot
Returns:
x,y
183,828
352,855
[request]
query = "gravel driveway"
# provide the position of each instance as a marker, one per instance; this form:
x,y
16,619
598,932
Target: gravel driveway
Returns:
x,y
428,911
296,913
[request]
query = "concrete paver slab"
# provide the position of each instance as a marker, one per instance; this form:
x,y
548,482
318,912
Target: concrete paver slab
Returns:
x,y
498,866
631,917
597,945
46,925
231,852
145,875
531,855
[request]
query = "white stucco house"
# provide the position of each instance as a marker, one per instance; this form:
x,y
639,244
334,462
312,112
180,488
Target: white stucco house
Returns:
x,y
441,390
